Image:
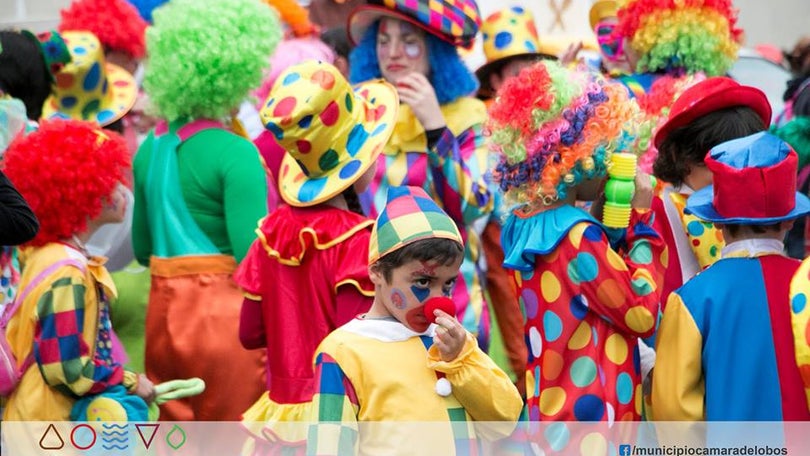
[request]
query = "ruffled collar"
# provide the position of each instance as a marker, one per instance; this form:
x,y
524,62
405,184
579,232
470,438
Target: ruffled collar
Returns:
x,y
288,233
525,236
460,115
752,248
385,330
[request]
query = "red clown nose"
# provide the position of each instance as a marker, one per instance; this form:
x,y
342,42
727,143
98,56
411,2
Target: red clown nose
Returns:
x,y
442,303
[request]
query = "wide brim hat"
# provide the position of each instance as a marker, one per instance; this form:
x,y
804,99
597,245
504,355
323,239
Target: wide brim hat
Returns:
x,y
508,35
88,88
454,21
754,183
332,132
710,95
409,215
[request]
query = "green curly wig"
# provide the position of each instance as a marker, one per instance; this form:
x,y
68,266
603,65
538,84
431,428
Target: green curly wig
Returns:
x,y
204,56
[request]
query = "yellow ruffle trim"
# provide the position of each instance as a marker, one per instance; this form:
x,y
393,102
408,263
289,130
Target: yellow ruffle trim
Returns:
x,y
278,423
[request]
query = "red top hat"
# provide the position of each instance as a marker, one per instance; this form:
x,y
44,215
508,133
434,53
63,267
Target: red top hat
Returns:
x,y
710,95
754,183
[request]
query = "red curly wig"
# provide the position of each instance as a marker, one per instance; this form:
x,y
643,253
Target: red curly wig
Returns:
x,y
116,23
65,171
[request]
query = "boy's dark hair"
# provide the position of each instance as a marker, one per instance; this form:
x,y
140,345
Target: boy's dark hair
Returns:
x,y
352,200
117,126
444,251
687,146
23,73
337,39
758,229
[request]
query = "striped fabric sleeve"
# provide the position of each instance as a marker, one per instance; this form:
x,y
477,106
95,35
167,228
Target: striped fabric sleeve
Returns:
x,y
457,167
335,406
64,348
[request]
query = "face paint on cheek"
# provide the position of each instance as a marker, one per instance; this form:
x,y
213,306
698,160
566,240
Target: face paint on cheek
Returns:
x,y
398,298
420,293
413,50
415,318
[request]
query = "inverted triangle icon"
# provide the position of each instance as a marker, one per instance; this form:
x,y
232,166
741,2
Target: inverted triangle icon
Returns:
x,y
149,429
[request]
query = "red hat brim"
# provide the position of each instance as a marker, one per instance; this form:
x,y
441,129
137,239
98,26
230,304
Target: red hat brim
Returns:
x,y
728,97
363,16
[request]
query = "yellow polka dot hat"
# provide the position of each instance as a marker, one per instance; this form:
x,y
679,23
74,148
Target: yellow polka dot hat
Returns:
x,y
509,33
88,88
332,132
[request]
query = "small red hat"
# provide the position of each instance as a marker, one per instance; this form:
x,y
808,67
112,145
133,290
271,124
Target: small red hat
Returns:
x,y
710,95
754,183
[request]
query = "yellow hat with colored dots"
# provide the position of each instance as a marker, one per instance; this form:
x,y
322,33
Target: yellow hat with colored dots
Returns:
x,y
509,34
332,132
88,88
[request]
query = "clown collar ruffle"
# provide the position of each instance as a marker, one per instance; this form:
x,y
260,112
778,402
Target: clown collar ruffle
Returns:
x,y
288,233
525,236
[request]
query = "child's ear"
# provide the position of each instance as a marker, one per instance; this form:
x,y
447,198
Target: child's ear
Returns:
x,y
375,275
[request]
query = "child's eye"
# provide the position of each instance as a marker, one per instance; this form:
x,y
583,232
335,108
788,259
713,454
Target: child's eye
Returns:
x,y
422,283
447,289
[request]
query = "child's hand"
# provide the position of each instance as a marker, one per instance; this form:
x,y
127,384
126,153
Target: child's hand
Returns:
x,y
145,389
450,336
642,198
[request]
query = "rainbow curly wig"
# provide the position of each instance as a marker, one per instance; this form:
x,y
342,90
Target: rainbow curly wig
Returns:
x,y
65,171
206,55
677,36
551,127
116,23
449,76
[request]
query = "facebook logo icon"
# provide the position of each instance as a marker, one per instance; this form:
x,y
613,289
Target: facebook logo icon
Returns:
x,y
624,450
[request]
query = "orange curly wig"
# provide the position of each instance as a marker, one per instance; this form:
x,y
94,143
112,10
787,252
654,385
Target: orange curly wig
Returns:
x,y
116,23
65,171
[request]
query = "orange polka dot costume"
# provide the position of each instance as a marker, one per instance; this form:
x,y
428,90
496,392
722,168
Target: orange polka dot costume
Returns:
x,y
587,293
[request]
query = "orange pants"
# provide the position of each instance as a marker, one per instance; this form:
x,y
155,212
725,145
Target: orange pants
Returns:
x,y
505,304
192,330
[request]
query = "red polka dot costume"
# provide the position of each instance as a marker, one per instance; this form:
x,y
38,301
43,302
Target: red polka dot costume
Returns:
x,y
587,292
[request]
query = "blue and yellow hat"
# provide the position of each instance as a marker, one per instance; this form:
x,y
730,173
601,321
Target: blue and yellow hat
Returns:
x,y
409,215
331,132
88,88
509,34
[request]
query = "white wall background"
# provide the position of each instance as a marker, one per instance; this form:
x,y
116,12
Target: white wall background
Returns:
x,y
779,22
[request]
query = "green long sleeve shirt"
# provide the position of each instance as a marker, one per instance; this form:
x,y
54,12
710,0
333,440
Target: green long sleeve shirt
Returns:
x,y
222,183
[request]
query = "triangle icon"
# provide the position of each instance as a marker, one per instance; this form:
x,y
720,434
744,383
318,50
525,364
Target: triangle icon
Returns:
x,y
153,427
51,439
